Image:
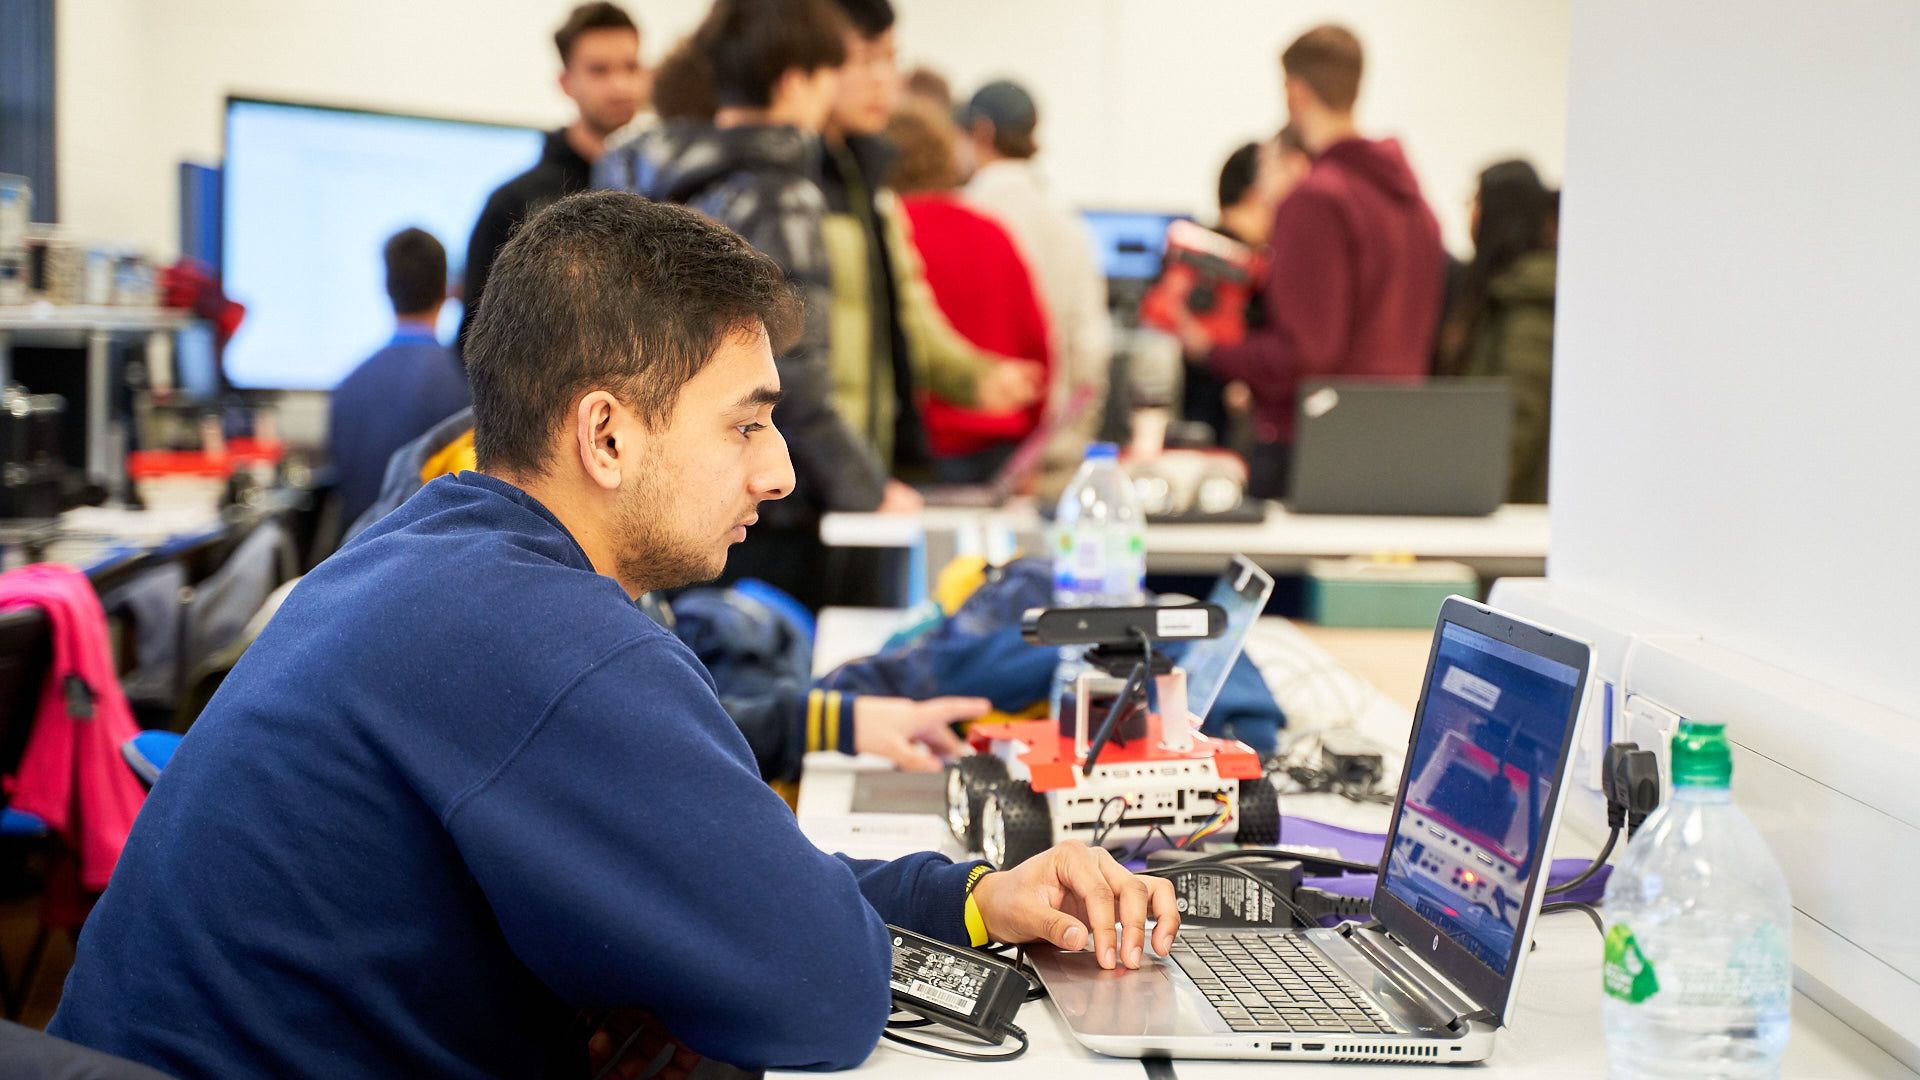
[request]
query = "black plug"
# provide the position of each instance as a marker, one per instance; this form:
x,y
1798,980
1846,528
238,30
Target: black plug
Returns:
x,y
1630,777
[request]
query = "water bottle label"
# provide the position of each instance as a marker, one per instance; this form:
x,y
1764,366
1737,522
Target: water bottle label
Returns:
x,y
1097,561
1627,973
1758,975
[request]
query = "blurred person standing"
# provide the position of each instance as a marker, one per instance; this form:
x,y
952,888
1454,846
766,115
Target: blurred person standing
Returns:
x,y
398,393
774,68
1354,283
1253,181
1501,322
980,282
890,340
600,70
1000,120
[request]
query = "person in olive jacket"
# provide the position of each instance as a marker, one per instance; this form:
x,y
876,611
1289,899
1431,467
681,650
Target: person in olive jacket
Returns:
x,y
1501,321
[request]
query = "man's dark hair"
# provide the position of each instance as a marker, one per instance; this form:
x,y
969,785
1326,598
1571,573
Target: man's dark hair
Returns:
x,y
682,85
416,272
588,17
870,17
1327,59
749,44
1238,174
606,290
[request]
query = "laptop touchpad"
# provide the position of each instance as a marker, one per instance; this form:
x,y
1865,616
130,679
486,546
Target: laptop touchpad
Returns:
x,y
1155,1000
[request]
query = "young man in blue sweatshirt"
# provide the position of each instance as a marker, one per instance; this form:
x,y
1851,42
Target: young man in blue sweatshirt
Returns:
x,y
462,798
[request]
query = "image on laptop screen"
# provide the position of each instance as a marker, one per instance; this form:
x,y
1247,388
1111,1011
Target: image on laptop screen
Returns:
x,y
1482,776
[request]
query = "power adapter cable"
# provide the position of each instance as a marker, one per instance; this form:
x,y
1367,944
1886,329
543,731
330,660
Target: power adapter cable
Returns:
x,y
1319,903
1630,779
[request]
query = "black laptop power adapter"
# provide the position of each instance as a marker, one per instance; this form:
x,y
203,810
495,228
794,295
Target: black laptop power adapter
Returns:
x,y
1239,894
963,989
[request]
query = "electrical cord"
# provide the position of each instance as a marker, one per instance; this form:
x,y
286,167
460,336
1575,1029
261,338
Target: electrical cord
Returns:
x,y
1329,862
932,1048
1600,860
653,1067
1588,910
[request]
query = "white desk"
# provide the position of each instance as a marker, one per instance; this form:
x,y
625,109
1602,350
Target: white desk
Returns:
x,y
1510,542
1555,1031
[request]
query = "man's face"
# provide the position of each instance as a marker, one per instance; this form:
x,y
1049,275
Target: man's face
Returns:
x,y
604,78
702,476
869,84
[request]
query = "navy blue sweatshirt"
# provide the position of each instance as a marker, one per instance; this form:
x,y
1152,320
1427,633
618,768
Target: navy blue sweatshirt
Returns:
x,y
458,790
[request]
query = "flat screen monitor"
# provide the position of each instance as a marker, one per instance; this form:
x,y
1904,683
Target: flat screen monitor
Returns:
x,y
1129,243
311,196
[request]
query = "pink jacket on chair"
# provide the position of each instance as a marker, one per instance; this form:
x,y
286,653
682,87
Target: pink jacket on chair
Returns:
x,y
71,775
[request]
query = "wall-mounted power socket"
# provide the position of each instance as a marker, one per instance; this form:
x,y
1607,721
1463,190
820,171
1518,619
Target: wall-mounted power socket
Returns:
x,y
1653,726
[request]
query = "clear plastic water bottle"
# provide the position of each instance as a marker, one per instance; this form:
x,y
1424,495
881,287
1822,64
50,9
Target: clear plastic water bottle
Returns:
x,y
1099,549
1697,972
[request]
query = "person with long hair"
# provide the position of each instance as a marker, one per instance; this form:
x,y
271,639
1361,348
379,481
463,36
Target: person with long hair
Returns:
x,y
1500,324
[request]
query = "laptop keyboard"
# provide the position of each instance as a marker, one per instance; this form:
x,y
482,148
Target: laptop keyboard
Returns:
x,y
1268,981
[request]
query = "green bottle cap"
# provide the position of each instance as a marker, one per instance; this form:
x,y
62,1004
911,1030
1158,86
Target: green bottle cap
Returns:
x,y
1701,756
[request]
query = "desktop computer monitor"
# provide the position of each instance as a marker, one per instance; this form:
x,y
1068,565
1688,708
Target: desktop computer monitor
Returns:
x,y
311,195
1129,243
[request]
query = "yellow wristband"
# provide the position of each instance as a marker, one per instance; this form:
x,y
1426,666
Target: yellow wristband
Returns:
x,y
976,925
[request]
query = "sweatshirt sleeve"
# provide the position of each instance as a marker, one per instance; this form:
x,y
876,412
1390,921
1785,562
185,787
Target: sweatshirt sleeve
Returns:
x,y
946,363
1309,302
634,859
786,722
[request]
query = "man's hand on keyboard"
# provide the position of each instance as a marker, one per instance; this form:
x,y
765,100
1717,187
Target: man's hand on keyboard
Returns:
x,y
1059,894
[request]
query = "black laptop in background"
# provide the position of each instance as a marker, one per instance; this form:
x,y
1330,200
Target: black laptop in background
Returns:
x,y
1439,447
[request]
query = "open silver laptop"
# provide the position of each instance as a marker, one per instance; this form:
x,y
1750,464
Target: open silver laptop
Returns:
x,y
1433,975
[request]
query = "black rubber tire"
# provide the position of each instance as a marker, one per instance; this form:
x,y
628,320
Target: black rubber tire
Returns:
x,y
980,773
1259,813
1029,824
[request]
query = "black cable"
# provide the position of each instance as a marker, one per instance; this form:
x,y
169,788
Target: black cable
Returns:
x,y
1290,856
1141,847
1101,826
1018,1035
912,1022
1196,867
1600,860
1588,910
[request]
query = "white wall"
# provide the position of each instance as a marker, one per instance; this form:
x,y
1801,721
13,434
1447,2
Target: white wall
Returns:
x,y
1141,99
1734,447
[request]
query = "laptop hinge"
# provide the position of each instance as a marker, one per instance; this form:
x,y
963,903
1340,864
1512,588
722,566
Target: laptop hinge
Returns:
x,y
1399,964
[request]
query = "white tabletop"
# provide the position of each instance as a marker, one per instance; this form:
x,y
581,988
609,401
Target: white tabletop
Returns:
x,y
1513,539
1555,1032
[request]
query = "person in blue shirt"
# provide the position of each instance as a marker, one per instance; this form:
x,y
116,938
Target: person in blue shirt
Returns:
x,y
462,803
400,392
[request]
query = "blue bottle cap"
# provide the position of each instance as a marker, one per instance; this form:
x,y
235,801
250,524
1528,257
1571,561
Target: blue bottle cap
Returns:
x,y
1103,450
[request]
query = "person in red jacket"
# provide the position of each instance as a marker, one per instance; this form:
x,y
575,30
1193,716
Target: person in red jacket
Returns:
x,y
1355,279
980,283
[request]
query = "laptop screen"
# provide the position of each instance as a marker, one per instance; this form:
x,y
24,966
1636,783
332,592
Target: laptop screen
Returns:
x,y
1482,778
1242,591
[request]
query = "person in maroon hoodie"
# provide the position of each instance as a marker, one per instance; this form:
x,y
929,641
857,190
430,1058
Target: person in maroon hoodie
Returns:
x,y
1354,283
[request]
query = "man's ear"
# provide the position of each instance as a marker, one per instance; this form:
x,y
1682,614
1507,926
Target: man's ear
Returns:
x,y
604,444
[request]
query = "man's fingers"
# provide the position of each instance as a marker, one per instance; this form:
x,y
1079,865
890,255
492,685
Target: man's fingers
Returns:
x,y
1083,877
1064,931
912,757
1166,913
1132,893
949,710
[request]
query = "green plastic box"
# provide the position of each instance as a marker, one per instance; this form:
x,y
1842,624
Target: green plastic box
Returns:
x,y
1375,592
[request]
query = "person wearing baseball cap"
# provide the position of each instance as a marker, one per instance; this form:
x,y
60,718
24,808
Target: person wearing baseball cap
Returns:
x,y
1000,120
